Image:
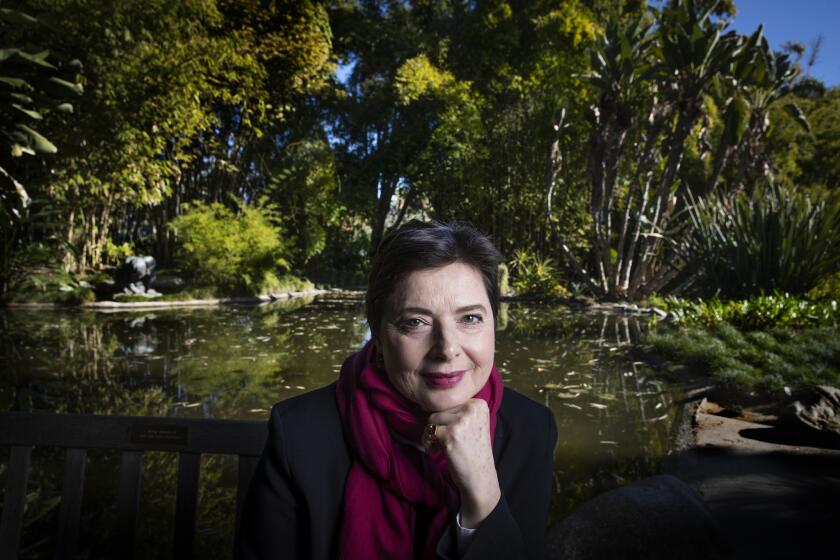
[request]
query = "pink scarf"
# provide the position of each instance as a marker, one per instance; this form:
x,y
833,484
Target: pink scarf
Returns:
x,y
390,483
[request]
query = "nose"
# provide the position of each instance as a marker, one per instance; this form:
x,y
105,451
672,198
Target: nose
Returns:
x,y
445,345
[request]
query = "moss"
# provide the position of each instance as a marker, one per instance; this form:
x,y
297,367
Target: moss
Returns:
x,y
763,361
193,292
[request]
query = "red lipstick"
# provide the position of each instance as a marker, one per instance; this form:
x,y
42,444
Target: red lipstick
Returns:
x,y
440,380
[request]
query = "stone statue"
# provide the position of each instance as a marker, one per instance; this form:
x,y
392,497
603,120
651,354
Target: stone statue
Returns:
x,y
136,275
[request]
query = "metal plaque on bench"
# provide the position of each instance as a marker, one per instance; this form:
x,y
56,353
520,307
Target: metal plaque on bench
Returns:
x,y
158,434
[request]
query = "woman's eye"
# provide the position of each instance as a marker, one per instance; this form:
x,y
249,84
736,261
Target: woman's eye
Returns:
x,y
472,319
410,324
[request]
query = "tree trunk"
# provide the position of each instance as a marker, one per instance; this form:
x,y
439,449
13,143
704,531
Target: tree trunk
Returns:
x,y
603,164
383,205
662,211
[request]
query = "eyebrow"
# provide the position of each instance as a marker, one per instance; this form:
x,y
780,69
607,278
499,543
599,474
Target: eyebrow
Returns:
x,y
463,309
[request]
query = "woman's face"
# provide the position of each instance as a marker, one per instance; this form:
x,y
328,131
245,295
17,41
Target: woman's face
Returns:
x,y
437,336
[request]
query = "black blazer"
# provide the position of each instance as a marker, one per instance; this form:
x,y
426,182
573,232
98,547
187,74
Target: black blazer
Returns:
x,y
294,505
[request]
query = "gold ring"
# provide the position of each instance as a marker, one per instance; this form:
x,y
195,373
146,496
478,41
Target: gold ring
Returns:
x,y
430,435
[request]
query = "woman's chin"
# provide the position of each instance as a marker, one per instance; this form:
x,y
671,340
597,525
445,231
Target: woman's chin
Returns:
x,y
438,400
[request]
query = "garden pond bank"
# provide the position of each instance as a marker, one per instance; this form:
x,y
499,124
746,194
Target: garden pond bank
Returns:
x,y
616,416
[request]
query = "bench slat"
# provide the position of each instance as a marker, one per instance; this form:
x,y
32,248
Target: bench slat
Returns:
x,y
69,517
186,504
128,502
12,520
134,433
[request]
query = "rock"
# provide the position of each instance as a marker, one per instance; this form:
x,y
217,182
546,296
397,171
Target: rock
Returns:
x,y
820,411
659,517
149,294
166,282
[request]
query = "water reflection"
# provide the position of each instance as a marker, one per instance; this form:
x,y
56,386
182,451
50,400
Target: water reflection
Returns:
x,y
613,415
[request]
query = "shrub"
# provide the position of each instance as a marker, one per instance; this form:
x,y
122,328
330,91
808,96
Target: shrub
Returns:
x,y
757,313
774,239
535,276
235,251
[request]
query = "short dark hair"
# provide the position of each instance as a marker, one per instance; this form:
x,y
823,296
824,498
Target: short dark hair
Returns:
x,y
418,245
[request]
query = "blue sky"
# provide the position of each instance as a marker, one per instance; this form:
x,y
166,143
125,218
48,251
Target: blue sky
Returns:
x,y
801,21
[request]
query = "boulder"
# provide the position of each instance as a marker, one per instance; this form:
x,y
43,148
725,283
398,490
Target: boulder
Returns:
x,y
819,412
659,517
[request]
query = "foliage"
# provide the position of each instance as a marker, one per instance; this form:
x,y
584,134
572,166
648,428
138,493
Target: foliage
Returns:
x,y
807,157
34,87
234,251
33,84
344,261
769,239
661,85
177,94
304,188
448,111
827,289
571,129
115,254
755,360
757,313
48,285
535,276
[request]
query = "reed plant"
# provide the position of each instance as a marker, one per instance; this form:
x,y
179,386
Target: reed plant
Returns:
x,y
772,239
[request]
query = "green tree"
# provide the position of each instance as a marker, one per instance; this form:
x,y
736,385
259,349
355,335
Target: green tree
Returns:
x,y
807,157
33,84
178,94
656,83
448,109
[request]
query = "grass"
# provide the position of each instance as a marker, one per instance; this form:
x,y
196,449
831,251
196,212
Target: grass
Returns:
x,y
769,344
754,361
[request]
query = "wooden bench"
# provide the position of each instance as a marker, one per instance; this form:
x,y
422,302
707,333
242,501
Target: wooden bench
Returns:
x,y
133,436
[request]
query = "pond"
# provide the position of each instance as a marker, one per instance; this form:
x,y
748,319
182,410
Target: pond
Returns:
x,y
614,415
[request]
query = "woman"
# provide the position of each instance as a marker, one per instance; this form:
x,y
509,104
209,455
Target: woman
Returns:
x,y
417,451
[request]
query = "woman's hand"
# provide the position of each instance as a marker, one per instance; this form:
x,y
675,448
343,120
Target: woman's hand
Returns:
x,y
464,434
